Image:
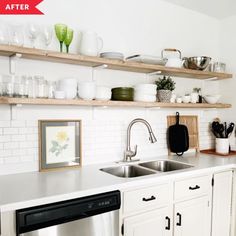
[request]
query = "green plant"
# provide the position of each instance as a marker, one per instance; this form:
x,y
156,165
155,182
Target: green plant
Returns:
x,y
165,83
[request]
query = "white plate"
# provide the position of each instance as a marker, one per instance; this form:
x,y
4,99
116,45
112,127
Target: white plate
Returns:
x,y
147,59
112,55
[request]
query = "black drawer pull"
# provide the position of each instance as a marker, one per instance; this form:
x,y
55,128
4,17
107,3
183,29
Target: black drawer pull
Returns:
x,y
149,199
180,219
194,188
168,223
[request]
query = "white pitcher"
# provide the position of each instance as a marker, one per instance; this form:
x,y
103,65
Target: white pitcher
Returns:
x,y
91,44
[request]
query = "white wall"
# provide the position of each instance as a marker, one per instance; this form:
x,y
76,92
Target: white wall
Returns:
x,y
227,55
129,27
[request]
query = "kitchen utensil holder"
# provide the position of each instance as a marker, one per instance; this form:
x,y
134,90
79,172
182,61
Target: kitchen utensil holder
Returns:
x,y
222,146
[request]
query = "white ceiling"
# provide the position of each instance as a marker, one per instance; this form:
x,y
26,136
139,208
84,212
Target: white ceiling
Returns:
x,y
216,8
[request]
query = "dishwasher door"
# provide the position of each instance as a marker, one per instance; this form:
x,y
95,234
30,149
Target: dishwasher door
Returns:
x,y
95,215
100,225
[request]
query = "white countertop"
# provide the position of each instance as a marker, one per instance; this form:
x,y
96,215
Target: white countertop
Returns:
x,y
35,188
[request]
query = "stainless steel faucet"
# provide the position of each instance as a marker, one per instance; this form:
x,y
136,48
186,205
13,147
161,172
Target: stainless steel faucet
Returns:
x,y
128,152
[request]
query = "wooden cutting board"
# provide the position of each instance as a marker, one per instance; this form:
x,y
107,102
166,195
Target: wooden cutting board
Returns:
x,y
192,124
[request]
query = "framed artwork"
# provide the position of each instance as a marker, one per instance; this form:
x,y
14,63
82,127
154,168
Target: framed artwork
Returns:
x,y
59,144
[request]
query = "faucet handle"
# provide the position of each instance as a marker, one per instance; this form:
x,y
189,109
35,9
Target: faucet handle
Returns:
x,y
135,150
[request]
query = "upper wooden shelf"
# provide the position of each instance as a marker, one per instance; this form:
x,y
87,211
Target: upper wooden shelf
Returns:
x,y
79,102
39,54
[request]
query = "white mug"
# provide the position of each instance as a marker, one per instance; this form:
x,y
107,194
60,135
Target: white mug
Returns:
x,y
87,90
222,146
91,44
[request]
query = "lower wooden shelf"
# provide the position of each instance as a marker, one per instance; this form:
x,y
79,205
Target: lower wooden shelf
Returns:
x,y
79,102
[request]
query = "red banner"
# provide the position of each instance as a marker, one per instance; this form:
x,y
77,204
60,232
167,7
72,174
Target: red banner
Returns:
x,y
20,7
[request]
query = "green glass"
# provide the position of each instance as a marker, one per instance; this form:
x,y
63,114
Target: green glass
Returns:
x,y
68,39
61,31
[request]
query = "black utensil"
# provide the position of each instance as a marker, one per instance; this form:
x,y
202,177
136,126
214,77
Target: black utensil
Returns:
x,y
230,129
214,129
215,125
221,129
178,137
225,131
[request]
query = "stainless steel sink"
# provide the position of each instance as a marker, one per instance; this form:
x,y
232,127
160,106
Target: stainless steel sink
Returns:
x,y
165,165
127,171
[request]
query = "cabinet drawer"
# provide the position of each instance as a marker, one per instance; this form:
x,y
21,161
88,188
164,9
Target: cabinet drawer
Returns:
x,y
192,187
144,198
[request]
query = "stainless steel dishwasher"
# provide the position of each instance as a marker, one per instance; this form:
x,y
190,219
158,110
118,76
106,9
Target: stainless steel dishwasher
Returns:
x,y
95,215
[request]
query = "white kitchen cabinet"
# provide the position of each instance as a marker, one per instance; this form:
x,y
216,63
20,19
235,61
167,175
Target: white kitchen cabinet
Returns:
x,y
193,217
152,223
222,199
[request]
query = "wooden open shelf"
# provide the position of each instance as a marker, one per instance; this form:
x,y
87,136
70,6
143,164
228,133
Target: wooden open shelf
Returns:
x,y
38,54
78,102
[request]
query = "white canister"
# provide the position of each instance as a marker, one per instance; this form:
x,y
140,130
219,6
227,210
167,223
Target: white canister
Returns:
x,y
87,90
222,146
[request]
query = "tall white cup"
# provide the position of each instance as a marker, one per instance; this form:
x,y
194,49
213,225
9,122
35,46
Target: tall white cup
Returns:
x,y
222,146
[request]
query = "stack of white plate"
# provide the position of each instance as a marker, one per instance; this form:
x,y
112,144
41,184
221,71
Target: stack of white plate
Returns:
x,y
145,93
113,55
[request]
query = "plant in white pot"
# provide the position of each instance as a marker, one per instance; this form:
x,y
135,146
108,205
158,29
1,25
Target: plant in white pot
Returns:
x,y
165,86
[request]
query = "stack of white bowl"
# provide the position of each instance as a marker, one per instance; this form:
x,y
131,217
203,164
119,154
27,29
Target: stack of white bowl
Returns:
x,y
145,93
69,87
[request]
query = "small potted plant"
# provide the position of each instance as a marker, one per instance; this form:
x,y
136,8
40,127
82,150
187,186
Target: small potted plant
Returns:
x,y
165,86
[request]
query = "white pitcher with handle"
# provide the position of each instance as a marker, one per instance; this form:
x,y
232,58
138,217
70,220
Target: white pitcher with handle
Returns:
x,y
91,44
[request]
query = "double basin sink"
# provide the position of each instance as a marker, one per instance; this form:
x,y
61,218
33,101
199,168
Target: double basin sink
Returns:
x,y
146,168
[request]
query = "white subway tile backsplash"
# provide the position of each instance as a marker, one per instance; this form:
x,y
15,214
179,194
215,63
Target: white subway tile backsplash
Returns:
x,y
7,131
103,134
11,145
5,138
5,123
18,123
12,159
5,153
18,137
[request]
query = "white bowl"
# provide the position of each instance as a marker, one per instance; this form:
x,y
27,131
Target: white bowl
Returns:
x,y
144,98
59,94
70,93
186,99
150,89
87,90
103,93
212,99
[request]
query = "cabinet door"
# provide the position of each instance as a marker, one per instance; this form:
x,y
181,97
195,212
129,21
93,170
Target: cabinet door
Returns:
x,y
222,196
153,223
193,217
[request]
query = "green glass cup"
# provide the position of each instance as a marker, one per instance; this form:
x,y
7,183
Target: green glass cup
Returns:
x,y
61,31
68,39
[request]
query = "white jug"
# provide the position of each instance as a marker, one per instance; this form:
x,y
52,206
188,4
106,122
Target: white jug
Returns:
x,y
91,44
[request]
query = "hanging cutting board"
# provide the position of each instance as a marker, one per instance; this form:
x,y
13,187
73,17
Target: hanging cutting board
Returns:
x,y
192,124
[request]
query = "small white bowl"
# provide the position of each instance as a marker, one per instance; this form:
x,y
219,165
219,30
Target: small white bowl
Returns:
x,y
144,98
59,94
212,99
186,99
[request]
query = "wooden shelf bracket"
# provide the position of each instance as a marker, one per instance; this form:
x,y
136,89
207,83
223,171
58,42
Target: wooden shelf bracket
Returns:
x,y
154,73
